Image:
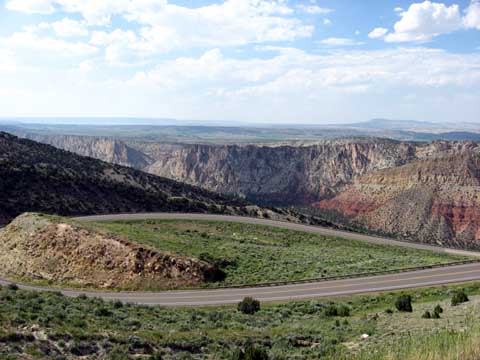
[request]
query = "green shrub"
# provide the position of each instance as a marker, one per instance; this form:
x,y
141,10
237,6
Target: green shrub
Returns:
x,y
459,297
331,310
435,315
426,315
404,303
343,310
251,352
103,312
249,306
438,309
13,287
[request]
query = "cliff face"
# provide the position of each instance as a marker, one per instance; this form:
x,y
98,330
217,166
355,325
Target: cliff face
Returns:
x,y
295,174
433,200
280,174
109,150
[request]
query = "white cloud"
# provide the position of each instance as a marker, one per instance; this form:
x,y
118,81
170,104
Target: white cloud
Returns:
x,y
31,6
300,86
67,27
334,41
342,69
377,33
472,16
424,21
165,26
29,43
314,9
398,9
327,22
170,27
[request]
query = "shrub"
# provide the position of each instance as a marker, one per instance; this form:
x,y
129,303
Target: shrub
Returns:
x,y
426,315
343,310
404,303
13,287
102,312
435,315
249,306
438,309
459,297
331,310
251,352
118,304
389,311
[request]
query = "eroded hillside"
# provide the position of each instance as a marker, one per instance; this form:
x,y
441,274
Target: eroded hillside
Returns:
x,y
433,200
40,247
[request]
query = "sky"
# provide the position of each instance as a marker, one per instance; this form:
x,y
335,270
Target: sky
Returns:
x,y
265,61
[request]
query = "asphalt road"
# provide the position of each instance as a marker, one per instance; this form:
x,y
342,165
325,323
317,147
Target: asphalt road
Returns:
x,y
421,278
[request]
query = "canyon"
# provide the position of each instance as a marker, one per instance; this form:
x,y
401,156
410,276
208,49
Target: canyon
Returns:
x,y
420,191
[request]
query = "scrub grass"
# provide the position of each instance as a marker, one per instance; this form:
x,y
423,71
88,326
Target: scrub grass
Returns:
x,y
252,254
51,326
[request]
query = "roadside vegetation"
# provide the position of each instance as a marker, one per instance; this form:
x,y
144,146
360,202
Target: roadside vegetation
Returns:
x,y
257,254
49,325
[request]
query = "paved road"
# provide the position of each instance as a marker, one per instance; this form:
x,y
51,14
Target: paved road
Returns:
x,y
422,278
438,276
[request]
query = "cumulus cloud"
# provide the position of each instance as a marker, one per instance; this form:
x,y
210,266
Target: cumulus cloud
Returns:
x,y
31,6
314,9
170,27
335,41
472,16
28,42
422,22
339,69
66,27
377,33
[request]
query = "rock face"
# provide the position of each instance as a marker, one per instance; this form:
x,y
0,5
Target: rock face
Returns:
x,y
433,200
109,150
292,174
47,248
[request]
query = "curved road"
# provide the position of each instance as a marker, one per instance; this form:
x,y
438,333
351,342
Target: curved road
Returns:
x,y
412,279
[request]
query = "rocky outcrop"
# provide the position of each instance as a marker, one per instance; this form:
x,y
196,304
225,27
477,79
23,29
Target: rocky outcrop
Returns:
x,y
40,247
432,200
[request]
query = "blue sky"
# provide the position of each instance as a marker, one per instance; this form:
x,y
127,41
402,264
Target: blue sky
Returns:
x,y
276,61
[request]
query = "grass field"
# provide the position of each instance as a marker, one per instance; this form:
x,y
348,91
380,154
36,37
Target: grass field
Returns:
x,y
253,254
49,325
